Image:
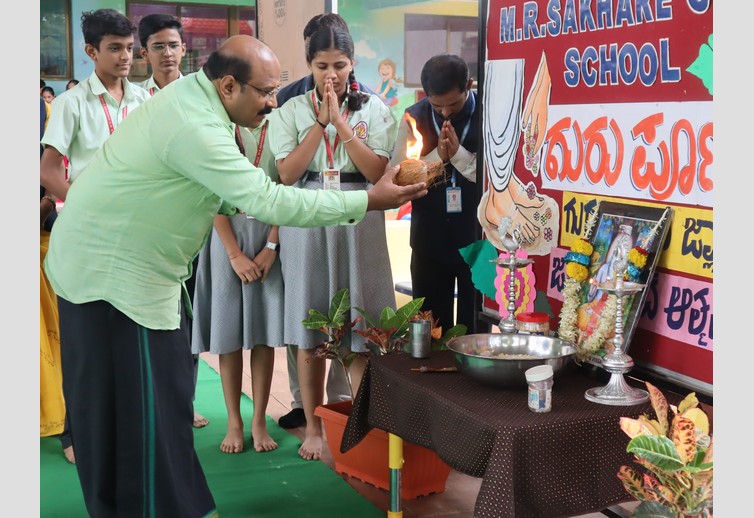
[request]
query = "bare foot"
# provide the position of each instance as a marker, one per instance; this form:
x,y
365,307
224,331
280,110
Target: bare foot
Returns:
x,y
311,449
262,440
233,442
200,421
68,452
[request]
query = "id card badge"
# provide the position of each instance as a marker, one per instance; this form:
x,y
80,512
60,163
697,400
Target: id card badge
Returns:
x,y
453,199
331,179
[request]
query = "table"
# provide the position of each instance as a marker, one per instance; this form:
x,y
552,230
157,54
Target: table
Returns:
x,y
533,465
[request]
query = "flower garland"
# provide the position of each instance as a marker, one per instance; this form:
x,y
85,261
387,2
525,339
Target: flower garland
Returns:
x,y
637,256
578,261
577,271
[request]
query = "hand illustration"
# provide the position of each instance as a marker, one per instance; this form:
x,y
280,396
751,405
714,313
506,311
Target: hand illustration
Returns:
x,y
534,117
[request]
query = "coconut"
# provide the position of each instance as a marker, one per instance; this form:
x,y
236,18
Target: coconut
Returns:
x,y
415,171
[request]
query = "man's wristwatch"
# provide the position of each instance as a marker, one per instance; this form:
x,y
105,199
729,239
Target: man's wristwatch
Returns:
x,y
272,246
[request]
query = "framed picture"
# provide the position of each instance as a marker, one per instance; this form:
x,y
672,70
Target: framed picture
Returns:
x,y
638,230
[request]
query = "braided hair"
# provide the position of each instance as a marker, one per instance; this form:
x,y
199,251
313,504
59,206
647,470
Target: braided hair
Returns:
x,y
336,38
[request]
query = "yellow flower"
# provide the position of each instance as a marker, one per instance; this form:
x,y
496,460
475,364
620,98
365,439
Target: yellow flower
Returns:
x,y
577,271
582,246
637,258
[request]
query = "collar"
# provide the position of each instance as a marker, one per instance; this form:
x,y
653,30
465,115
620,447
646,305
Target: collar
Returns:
x,y
97,88
151,83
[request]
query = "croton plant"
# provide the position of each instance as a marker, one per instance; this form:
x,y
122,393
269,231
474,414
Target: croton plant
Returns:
x,y
384,334
677,457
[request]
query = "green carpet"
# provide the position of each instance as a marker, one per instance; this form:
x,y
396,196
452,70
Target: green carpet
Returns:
x,y
250,484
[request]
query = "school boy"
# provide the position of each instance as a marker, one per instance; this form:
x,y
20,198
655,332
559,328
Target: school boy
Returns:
x,y
447,120
83,119
162,46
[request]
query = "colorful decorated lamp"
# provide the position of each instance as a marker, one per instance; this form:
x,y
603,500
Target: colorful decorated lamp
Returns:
x,y
511,240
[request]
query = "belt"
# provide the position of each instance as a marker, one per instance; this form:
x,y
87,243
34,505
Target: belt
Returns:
x,y
344,177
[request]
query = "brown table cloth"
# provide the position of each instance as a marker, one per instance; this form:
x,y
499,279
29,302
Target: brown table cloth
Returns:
x,y
533,465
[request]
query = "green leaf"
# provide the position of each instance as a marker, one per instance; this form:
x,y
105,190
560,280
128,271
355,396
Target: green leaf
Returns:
x,y
652,510
656,449
456,330
386,314
340,303
315,320
337,322
371,320
410,308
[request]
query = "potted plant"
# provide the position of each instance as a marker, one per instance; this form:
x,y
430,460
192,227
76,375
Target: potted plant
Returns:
x,y
389,332
424,472
334,325
677,458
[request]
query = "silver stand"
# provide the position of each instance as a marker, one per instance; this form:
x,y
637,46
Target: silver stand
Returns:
x,y
617,392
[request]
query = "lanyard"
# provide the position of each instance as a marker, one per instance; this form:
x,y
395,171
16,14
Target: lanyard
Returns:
x,y
260,145
151,91
107,113
239,141
330,151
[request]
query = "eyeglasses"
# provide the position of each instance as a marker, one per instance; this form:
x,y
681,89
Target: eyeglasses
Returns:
x,y
160,47
267,94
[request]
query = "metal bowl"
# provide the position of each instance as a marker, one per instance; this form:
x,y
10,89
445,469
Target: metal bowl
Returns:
x,y
501,359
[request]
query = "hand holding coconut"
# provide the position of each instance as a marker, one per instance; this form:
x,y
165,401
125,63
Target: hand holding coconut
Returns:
x,y
413,169
387,194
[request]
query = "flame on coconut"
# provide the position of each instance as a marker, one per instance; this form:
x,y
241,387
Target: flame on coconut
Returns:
x,y
413,147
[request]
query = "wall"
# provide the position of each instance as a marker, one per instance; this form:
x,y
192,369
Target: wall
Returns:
x,y
281,26
378,34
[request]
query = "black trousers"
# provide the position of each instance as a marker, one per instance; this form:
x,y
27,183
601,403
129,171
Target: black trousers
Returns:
x,y
129,392
435,280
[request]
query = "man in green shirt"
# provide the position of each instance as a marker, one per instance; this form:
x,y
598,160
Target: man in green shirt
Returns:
x,y
85,117
121,251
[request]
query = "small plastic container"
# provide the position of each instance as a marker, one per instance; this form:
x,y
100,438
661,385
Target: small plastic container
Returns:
x,y
540,380
533,323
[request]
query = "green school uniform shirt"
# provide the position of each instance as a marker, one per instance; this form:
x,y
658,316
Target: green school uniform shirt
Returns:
x,y
373,124
136,218
150,85
78,124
